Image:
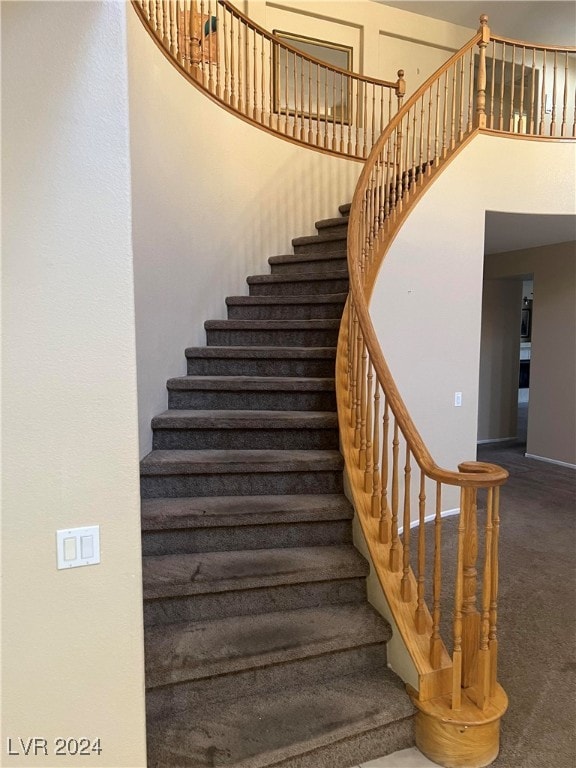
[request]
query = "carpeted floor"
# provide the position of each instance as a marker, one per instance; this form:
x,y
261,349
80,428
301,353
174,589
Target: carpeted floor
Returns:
x,y
537,616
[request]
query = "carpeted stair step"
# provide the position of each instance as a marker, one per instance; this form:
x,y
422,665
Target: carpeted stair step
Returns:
x,y
294,362
286,307
220,523
267,393
236,429
294,333
345,209
337,722
326,242
213,585
339,225
309,263
298,285
203,649
237,473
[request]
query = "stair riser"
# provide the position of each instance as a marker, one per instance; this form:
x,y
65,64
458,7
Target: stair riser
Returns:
x,y
258,367
176,486
170,699
258,439
285,597
300,288
250,401
320,267
286,312
189,541
334,229
322,246
308,337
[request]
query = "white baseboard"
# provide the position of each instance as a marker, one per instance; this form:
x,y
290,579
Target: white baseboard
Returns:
x,y
431,518
550,461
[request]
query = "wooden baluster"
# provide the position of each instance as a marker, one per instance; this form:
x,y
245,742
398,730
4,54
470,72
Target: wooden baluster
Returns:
x,y
393,170
453,109
554,80
412,162
158,18
375,503
359,392
287,54
399,160
461,106
383,530
193,39
400,88
492,84
249,97
483,683
435,640
437,128
395,544
406,161
445,118
226,59
266,108
300,132
241,64
185,36
532,120
343,109
358,121
209,43
174,36
295,86
232,71
543,97
334,116
257,98
165,25
354,389
511,126
373,129
471,90
405,590
426,159
493,638
521,121
318,113
565,100
365,147
150,14
470,614
369,457
310,131
457,629
502,81
201,44
420,617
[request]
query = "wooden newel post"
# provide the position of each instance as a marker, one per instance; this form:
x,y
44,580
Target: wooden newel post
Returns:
x,y
400,87
481,83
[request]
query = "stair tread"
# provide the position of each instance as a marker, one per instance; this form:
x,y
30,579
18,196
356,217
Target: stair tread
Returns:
x,y
327,298
337,221
200,462
303,258
244,419
279,352
282,724
246,383
345,208
337,274
218,511
209,572
271,325
326,237
199,649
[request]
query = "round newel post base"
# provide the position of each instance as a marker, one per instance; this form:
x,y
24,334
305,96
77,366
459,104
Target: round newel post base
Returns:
x,y
467,738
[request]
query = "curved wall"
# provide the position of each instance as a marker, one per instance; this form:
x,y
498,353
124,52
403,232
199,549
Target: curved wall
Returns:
x,y
427,300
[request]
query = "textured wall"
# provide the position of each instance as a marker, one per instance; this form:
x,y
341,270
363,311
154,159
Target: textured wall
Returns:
x,y
72,650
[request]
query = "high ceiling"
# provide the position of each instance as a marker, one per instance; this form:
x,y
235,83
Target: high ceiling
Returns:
x,y
537,21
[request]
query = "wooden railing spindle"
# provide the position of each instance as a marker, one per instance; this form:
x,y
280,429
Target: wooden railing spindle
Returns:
x,y
420,617
405,589
435,640
395,540
384,533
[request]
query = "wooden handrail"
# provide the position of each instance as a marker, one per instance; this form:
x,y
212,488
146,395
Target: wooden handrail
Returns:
x,y
458,698
268,82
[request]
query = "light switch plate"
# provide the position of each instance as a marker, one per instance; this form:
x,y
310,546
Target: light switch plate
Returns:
x,y
78,546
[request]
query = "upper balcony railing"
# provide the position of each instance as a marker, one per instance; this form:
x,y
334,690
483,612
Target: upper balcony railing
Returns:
x,y
269,82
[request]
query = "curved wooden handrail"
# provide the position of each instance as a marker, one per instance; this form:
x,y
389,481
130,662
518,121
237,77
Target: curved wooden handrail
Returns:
x,y
537,46
268,82
389,467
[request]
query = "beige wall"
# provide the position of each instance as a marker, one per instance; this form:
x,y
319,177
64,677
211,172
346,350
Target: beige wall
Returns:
x,y
427,300
552,408
72,649
499,359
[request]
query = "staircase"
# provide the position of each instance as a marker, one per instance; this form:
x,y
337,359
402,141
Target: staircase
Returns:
x,y
261,649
